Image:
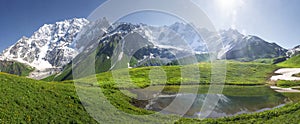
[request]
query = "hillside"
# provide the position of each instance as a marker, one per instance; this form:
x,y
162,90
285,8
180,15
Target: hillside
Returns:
x,y
288,114
25,100
49,48
291,62
252,47
57,102
16,68
162,47
53,46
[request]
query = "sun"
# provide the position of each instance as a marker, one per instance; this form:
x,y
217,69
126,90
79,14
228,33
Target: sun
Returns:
x,y
227,4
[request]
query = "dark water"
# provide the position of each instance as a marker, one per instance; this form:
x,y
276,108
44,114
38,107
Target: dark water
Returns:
x,y
190,105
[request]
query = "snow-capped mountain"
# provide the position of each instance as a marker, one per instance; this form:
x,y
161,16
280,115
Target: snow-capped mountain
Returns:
x,y
248,47
166,43
161,45
294,51
48,47
55,45
159,42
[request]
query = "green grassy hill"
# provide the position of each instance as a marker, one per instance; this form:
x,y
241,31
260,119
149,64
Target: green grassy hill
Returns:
x,y
292,62
238,73
25,100
288,114
15,68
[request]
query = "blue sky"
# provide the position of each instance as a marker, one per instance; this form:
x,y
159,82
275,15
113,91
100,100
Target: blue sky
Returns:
x,y
273,20
23,17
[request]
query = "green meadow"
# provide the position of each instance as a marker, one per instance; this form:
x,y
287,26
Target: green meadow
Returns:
x,y
26,100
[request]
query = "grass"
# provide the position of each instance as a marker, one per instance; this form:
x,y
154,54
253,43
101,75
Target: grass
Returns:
x,y
251,73
265,61
54,102
229,90
50,78
29,101
284,115
25,100
293,62
284,83
238,73
16,68
293,96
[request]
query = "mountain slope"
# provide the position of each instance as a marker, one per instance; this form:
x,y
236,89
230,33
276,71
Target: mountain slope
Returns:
x,y
16,68
26,100
252,47
163,45
293,52
54,46
57,102
48,47
291,62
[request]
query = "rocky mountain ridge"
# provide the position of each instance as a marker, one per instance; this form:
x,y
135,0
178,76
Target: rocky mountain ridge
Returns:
x,y
54,46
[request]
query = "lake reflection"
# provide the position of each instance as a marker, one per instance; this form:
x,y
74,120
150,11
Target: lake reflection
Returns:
x,y
227,105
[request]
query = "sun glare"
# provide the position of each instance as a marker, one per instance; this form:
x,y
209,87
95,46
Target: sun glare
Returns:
x,y
227,4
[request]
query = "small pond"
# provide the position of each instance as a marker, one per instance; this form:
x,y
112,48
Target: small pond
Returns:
x,y
234,100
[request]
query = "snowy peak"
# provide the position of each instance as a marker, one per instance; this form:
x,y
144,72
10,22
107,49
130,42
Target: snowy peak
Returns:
x,y
248,48
234,45
231,35
293,52
48,47
53,46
